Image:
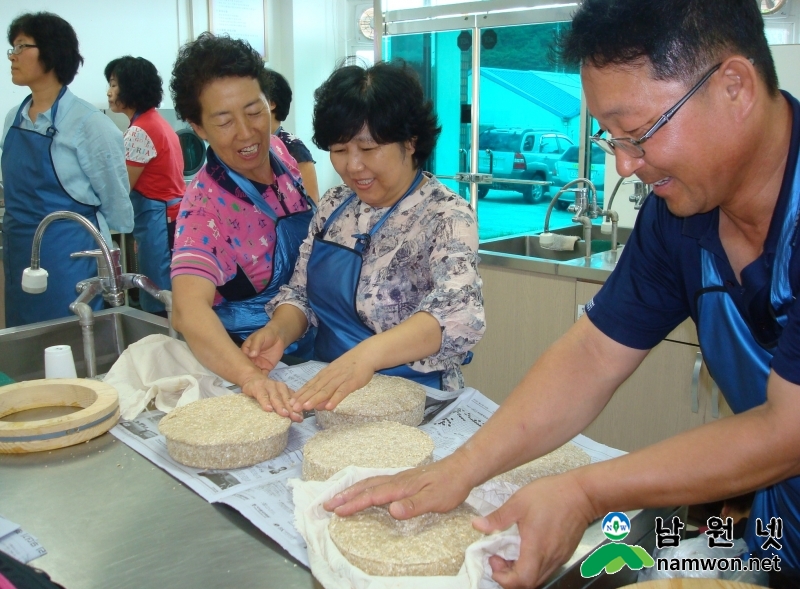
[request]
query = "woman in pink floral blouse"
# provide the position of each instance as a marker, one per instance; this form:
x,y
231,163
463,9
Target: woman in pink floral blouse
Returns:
x,y
243,216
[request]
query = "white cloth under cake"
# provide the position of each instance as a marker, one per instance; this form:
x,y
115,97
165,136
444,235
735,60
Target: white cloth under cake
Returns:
x,y
163,369
334,571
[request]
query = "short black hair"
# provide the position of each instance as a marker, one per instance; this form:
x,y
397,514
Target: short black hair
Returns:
x,y
204,60
387,97
681,39
138,81
56,40
279,92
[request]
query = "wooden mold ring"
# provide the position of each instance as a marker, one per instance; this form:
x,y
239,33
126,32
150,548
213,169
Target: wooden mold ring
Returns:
x,y
99,413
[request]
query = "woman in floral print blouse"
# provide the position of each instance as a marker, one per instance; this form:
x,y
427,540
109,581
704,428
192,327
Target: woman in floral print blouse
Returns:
x,y
389,271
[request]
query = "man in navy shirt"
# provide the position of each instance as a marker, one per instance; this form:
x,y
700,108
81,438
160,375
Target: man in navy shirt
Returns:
x,y
687,99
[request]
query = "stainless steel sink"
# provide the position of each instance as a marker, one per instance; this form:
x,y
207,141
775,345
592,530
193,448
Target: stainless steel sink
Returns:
x,y
622,234
528,245
22,348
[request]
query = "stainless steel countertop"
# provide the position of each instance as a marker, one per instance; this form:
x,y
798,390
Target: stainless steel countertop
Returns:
x,y
110,518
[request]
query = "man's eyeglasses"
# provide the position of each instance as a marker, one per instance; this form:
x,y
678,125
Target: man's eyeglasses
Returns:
x,y
17,49
632,147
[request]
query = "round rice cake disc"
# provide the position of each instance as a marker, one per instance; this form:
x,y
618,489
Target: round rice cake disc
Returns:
x,y
567,457
231,431
380,444
384,398
427,545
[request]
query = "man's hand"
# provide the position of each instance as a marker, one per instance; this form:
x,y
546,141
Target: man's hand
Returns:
x,y
271,395
437,487
332,384
264,348
552,514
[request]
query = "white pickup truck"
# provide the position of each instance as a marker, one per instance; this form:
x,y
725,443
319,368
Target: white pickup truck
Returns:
x,y
521,154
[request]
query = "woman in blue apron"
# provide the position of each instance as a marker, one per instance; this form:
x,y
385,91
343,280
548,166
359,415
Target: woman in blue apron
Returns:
x,y
155,167
388,274
244,215
51,135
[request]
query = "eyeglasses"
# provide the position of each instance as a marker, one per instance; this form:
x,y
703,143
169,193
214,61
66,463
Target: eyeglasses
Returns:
x,y
632,147
17,49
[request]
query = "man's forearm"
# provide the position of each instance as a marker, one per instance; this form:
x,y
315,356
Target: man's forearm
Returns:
x,y
555,401
729,457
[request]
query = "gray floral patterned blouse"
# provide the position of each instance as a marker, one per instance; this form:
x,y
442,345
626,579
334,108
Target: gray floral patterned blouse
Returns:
x,y
423,258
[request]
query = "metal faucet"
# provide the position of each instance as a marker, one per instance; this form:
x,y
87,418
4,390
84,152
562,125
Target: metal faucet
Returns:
x,y
581,200
108,265
584,211
640,192
110,282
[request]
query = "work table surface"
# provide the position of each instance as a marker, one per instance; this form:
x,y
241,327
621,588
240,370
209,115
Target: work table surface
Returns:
x,y
110,518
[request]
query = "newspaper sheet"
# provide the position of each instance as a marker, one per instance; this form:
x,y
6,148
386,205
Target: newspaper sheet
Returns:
x,y
260,492
18,543
269,507
142,435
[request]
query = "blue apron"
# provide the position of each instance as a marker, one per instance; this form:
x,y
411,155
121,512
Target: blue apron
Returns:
x,y
243,316
153,255
32,191
740,366
332,281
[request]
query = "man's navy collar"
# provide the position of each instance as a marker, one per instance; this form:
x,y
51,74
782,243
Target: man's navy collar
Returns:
x,y
787,185
705,226
698,226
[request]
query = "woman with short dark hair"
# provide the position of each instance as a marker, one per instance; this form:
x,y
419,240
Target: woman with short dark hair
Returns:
x,y
386,98
389,271
243,216
280,93
155,168
60,153
54,38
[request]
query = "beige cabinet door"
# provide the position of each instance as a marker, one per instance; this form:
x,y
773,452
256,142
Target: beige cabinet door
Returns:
x,y
717,407
659,399
655,402
525,314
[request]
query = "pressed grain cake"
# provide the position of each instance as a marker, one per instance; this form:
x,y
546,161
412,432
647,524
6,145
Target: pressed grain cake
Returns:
x,y
567,457
378,444
384,398
231,431
430,544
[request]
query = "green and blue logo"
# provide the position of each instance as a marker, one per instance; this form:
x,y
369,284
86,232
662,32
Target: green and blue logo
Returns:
x,y
615,555
616,526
